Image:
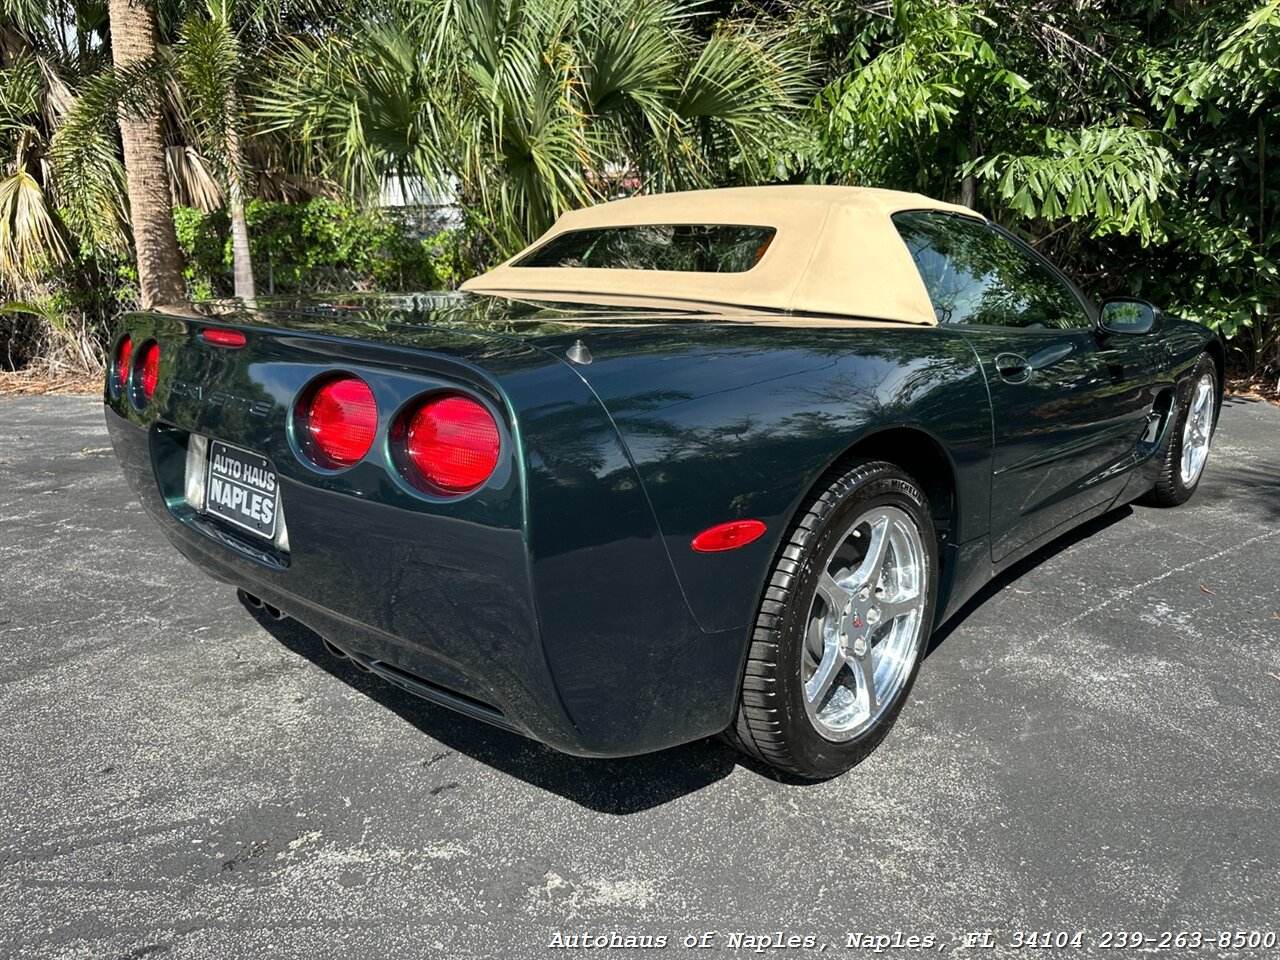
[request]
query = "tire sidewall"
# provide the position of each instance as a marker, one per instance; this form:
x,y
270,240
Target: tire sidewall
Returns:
x,y
811,750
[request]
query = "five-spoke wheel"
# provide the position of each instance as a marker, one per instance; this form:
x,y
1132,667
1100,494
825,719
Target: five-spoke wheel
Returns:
x,y
864,622
842,624
849,604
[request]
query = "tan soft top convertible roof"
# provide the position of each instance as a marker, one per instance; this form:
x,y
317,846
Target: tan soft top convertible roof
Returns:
x,y
836,251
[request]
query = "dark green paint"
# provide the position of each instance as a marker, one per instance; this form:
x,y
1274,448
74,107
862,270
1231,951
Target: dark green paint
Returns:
x,y
564,593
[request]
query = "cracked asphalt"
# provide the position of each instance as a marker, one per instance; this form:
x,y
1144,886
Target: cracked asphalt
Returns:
x,y
1092,745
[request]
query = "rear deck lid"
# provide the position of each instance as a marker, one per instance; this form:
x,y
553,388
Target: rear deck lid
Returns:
x,y
416,321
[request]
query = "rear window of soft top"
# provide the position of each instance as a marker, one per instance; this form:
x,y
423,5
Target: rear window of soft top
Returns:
x,y
687,248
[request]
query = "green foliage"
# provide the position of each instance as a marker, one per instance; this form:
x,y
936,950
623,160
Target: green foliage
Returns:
x,y
31,237
207,67
1114,178
1133,142
917,83
319,246
458,253
31,240
1224,224
89,172
533,107
1130,143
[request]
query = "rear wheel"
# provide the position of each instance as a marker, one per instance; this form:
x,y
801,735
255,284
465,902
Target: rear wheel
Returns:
x,y
1188,447
842,625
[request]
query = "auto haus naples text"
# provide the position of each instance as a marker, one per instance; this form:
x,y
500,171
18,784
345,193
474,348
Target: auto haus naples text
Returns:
x,y
251,490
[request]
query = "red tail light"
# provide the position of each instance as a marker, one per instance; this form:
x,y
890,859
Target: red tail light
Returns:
x,y
148,370
339,419
120,370
452,442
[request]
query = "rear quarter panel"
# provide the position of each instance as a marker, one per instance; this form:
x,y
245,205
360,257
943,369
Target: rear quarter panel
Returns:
x,y
731,421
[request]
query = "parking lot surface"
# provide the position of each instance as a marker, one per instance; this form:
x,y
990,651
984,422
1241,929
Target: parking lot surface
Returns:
x,y
1091,746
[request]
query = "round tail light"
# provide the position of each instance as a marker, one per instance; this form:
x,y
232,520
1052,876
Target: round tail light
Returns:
x,y
148,370
120,369
452,442
337,422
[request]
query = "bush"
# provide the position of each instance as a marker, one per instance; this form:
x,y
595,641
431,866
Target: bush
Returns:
x,y
61,327
320,246
316,247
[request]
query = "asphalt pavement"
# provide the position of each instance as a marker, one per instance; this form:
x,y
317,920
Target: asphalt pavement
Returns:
x,y
1092,746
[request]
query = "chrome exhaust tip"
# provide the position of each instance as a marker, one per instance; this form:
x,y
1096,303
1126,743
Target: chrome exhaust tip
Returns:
x,y
275,613
335,650
248,598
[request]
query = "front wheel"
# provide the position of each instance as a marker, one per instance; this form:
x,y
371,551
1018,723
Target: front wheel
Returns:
x,y
1188,447
842,625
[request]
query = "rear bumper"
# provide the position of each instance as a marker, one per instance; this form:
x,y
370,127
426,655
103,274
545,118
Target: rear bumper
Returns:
x,y
469,615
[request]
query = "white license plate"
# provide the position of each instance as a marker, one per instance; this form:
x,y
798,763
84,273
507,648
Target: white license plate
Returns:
x,y
242,489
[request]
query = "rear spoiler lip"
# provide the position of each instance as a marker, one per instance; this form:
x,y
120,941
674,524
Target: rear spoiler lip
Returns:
x,y
353,344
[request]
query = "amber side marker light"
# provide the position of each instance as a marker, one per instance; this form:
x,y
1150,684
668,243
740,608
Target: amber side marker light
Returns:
x,y
728,536
223,338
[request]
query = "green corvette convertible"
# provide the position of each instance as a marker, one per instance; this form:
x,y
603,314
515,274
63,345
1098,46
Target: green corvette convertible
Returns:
x,y
699,463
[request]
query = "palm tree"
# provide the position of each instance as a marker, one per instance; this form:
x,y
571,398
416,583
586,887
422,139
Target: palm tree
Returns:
x,y
35,94
536,106
133,43
48,48
209,65
219,43
192,88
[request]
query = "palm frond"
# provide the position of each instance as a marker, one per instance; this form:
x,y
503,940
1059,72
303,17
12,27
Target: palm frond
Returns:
x,y
534,106
88,173
31,239
30,16
21,88
207,67
193,179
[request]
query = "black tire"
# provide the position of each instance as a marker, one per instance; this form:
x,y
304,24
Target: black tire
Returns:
x,y
1170,490
772,724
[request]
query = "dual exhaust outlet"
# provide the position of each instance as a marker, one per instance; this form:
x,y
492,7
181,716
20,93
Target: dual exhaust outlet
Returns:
x,y
274,612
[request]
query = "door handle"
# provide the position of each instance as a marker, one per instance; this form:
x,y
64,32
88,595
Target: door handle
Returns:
x,y
1050,355
1013,367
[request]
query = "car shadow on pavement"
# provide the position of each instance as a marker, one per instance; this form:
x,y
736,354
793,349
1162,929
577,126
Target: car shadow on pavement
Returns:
x,y
621,786
1261,485
1009,576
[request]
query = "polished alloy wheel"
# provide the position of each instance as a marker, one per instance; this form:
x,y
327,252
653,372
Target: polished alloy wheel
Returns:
x,y
865,623
1197,431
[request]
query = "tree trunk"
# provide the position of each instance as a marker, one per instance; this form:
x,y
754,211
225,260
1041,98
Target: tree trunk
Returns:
x,y
969,185
133,37
241,262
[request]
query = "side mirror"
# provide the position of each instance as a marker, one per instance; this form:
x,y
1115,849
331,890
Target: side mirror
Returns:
x,y
1128,315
